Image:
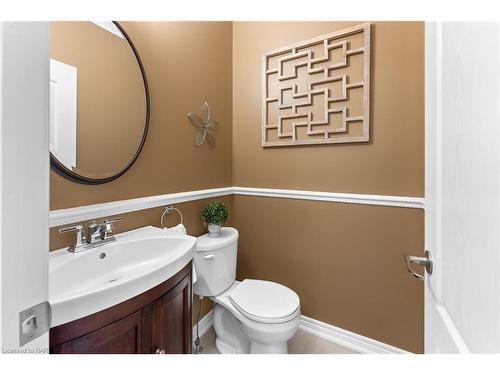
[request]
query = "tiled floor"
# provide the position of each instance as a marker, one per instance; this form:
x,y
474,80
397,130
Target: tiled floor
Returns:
x,y
301,343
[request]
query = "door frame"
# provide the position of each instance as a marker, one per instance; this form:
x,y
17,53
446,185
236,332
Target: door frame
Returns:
x,y
24,173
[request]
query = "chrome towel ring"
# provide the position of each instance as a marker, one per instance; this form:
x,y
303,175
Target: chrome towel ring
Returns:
x,y
168,210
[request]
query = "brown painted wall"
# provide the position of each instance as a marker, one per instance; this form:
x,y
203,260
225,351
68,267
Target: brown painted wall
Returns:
x,y
391,164
345,261
186,64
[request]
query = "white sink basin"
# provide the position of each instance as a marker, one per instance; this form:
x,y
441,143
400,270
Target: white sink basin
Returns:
x,y
85,283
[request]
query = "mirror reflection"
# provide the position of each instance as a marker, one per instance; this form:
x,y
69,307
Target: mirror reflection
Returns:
x,y
98,102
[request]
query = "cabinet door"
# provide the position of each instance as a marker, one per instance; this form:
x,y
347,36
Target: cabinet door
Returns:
x,y
121,337
172,320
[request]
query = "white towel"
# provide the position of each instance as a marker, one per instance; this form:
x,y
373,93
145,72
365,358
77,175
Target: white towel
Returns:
x,y
181,229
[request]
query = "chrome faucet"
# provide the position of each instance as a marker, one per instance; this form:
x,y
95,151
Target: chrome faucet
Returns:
x,y
96,234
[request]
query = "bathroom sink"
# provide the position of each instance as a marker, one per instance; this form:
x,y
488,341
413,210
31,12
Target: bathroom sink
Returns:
x,y
84,283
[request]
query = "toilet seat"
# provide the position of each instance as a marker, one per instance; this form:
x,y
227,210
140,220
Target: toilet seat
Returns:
x,y
265,301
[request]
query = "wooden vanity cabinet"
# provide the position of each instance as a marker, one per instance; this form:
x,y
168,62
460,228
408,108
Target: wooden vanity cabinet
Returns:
x,y
122,336
172,319
157,321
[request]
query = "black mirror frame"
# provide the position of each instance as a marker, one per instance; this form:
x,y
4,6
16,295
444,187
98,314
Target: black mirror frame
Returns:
x,y
58,167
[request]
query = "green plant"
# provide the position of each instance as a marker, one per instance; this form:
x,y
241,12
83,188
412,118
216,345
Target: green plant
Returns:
x,y
214,213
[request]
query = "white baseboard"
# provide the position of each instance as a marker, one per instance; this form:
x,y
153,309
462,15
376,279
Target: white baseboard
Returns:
x,y
339,336
348,339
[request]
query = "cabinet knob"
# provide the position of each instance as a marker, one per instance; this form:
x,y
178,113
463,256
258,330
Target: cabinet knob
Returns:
x,y
160,351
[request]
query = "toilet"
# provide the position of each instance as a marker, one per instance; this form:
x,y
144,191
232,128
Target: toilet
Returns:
x,y
251,316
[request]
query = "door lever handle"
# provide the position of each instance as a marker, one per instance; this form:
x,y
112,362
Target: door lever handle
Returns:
x,y
425,261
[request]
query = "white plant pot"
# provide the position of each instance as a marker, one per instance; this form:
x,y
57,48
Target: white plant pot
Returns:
x,y
214,230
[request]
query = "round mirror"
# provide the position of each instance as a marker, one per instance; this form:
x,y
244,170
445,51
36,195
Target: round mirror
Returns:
x,y
99,101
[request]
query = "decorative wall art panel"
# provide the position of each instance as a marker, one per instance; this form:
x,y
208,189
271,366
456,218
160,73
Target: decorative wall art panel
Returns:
x,y
318,91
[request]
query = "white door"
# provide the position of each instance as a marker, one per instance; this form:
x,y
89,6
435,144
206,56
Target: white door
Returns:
x,y
462,188
24,188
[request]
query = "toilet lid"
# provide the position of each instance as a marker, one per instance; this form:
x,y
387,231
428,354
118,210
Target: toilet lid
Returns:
x,y
265,301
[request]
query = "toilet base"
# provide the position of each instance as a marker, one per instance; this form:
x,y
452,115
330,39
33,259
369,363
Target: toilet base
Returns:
x,y
230,339
236,337
225,348
262,348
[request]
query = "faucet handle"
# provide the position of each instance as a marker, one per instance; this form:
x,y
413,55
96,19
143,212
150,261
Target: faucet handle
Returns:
x,y
79,241
113,220
109,225
74,228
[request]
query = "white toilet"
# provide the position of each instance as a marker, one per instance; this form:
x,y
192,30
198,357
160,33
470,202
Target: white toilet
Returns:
x,y
252,316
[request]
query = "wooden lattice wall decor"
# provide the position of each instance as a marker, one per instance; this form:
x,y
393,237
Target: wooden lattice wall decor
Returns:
x,y
318,91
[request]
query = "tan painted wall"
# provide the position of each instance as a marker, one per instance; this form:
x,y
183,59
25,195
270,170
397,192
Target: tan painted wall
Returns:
x,y
345,261
391,164
186,64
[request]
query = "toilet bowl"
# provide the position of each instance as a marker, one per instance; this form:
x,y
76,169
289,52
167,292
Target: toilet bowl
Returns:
x,y
252,316
253,329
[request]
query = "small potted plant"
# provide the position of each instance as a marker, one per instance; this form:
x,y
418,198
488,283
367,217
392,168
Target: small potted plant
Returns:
x,y
214,215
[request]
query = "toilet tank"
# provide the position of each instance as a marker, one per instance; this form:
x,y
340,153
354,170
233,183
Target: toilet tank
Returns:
x,y
215,262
